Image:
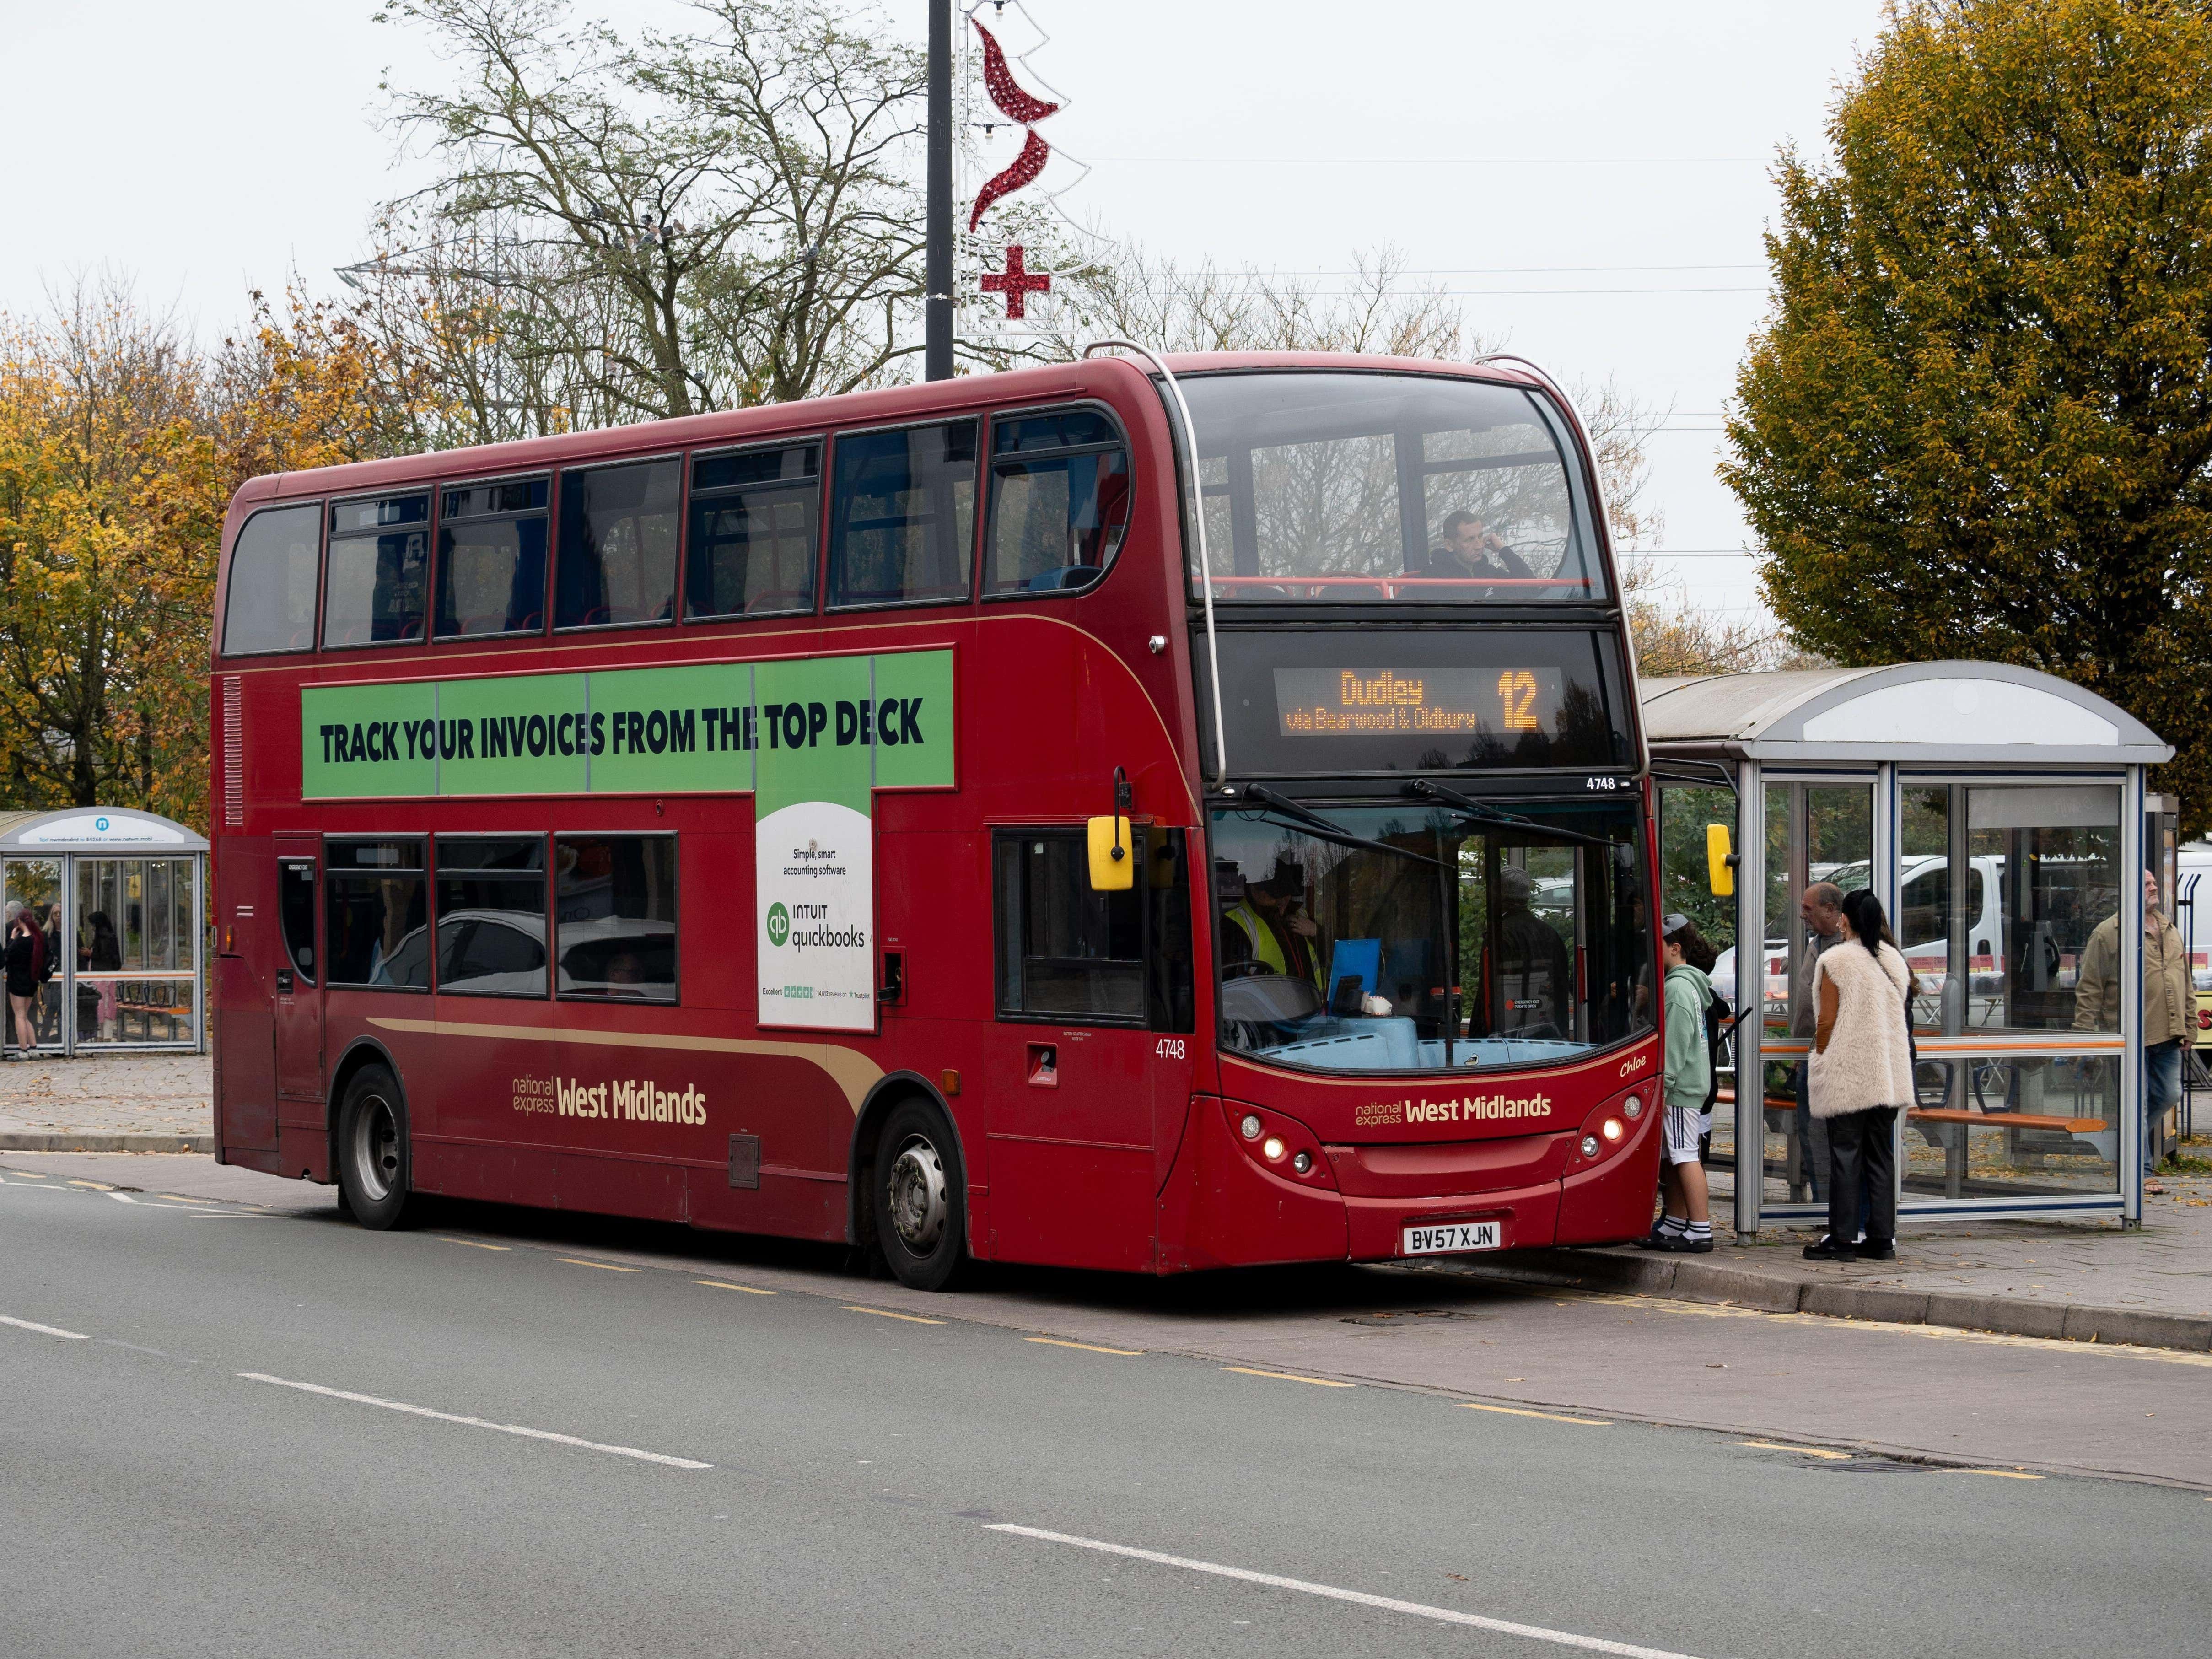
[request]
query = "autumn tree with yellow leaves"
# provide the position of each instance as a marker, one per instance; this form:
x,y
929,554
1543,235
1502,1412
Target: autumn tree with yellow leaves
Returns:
x,y
1978,422
120,448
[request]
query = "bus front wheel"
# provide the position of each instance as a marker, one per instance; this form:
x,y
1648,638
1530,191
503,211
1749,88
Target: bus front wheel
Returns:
x,y
373,1172
921,1197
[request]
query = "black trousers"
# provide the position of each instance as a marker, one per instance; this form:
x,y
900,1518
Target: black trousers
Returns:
x,y
1862,1146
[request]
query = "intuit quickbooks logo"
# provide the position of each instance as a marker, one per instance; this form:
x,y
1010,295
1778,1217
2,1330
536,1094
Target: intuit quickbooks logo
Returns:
x,y
779,925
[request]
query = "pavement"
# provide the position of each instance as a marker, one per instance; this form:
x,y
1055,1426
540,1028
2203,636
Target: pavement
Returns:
x,y
108,1103
2081,1280
239,1424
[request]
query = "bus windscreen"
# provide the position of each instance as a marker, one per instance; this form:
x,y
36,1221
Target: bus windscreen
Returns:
x,y
1328,488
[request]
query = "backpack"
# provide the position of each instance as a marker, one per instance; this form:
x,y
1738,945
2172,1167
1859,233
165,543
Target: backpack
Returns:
x,y
1717,1027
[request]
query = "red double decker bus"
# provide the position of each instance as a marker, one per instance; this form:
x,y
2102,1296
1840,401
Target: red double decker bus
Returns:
x,y
1121,814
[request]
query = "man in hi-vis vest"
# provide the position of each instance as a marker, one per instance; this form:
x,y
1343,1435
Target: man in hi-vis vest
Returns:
x,y
1276,932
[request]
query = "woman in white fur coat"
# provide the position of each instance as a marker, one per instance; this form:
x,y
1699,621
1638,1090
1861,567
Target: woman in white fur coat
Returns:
x,y
1860,1077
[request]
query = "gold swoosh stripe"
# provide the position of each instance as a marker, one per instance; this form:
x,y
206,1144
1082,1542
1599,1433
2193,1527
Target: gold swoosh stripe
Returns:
x,y
853,1071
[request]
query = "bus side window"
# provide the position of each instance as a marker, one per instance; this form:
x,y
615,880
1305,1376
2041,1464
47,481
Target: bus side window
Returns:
x,y
376,902
491,558
753,518
376,589
614,917
1068,952
273,567
295,904
903,523
615,561
1059,501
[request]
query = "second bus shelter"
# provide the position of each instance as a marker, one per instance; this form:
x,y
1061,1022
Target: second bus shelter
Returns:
x,y
2000,815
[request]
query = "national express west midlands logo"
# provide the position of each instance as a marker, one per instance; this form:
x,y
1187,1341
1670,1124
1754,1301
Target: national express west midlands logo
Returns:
x,y
631,1100
1470,1108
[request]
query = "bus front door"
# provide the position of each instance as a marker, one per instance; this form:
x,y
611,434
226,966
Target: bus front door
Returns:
x,y
298,992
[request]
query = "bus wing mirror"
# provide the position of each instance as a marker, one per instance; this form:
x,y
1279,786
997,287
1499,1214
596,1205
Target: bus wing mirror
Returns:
x,y
1113,862
1720,860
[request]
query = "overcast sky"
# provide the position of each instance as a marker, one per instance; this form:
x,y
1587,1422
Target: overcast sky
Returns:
x,y
1593,178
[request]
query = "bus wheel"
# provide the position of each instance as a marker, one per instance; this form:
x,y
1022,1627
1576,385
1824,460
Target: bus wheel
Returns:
x,y
373,1164
921,1197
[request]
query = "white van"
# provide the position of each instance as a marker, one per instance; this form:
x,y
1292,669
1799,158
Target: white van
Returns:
x,y
1922,912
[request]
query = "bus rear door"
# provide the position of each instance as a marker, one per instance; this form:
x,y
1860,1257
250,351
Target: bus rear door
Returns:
x,y
299,997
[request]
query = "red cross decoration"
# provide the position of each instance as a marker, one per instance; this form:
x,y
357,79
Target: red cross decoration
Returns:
x,y
1017,282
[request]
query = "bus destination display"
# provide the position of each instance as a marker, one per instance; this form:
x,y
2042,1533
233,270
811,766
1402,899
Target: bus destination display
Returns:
x,y
1442,702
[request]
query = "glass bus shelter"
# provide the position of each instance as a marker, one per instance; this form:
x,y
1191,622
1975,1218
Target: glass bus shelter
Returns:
x,y
1999,815
120,897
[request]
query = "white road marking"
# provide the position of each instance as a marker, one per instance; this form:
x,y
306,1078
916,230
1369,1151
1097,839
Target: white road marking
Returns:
x,y
123,1198
43,1330
1387,1603
469,1422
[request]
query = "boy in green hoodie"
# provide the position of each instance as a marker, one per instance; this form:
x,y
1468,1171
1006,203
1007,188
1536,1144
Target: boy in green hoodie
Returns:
x,y
1686,1226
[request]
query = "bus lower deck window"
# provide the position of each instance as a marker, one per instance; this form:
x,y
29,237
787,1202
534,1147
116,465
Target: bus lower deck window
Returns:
x,y
376,913
491,915
615,917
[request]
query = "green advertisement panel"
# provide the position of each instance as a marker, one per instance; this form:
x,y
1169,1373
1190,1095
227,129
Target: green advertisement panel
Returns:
x,y
827,729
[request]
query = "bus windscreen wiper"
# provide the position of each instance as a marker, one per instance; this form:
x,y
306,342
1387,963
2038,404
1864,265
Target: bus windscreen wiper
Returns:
x,y
1320,829
1484,814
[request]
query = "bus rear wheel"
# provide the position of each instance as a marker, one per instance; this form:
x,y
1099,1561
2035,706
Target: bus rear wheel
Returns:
x,y
372,1161
921,1197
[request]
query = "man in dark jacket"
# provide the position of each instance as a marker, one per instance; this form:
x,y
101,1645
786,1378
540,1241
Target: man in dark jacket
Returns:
x,y
1470,549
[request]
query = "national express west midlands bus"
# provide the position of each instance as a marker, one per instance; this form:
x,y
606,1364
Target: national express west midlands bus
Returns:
x,y
1120,815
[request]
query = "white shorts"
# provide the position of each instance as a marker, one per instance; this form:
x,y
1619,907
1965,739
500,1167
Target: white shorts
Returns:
x,y
1683,1127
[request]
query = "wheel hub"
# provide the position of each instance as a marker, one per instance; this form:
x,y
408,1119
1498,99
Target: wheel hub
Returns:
x,y
376,1149
917,1196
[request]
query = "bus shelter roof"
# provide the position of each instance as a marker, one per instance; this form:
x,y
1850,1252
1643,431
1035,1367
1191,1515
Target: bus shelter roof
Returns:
x,y
101,831
1918,713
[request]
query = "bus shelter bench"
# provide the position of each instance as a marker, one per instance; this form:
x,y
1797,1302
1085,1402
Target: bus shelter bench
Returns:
x,y
1952,1122
1796,1158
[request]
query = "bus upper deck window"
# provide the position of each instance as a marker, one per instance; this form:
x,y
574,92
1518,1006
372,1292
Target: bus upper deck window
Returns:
x,y
755,519
273,566
375,590
491,558
616,562
1059,501
903,520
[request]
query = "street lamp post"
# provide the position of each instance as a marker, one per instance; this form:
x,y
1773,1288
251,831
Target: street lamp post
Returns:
x,y
936,303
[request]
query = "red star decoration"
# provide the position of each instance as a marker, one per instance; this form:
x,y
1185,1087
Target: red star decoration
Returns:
x,y
1017,282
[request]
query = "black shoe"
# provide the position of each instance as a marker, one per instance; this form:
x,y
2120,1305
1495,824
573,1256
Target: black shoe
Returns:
x,y
1683,1244
1828,1250
1656,1240
1874,1250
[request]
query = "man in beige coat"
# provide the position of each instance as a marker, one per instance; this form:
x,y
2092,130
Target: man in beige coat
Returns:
x,y
2169,1004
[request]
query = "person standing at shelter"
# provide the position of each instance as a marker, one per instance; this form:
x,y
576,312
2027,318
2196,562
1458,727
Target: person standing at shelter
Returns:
x,y
1821,909
1685,1225
50,964
1859,1076
2169,1003
23,973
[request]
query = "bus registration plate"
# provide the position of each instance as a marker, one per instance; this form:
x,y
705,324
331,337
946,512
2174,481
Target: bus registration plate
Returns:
x,y
1447,1236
